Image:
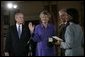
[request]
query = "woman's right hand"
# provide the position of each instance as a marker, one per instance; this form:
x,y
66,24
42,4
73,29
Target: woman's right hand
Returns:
x,y
31,27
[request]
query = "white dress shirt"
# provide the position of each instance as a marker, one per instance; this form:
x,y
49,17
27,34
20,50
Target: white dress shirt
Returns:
x,y
17,25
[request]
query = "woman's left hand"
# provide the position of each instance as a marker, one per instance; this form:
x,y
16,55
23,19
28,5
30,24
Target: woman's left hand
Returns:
x,y
58,43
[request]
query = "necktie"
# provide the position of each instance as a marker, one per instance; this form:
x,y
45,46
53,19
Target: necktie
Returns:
x,y
19,31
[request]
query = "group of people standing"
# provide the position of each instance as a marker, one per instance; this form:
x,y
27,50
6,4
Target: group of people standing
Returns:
x,y
70,31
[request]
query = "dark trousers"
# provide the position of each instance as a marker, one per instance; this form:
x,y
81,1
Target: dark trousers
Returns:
x,y
62,52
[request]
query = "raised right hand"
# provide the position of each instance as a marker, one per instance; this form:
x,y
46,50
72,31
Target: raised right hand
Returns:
x,y
31,27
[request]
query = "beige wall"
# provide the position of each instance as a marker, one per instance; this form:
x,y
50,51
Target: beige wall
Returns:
x,y
31,9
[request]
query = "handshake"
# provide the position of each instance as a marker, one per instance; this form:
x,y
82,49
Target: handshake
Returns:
x,y
57,41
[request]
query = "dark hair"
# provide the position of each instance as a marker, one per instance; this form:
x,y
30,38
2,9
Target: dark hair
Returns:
x,y
74,14
45,12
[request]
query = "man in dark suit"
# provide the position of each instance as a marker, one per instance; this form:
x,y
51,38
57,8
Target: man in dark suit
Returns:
x,y
19,35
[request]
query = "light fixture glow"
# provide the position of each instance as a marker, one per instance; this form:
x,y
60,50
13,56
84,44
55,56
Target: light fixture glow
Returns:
x,y
9,5
15,6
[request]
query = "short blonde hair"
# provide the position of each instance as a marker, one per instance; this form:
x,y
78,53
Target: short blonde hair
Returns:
x,y
45,13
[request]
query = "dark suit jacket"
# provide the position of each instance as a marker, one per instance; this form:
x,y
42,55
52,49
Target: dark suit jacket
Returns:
x,y
62,29
16,46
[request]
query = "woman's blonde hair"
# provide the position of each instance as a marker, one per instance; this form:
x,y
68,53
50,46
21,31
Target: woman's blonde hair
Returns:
x,y
45,13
